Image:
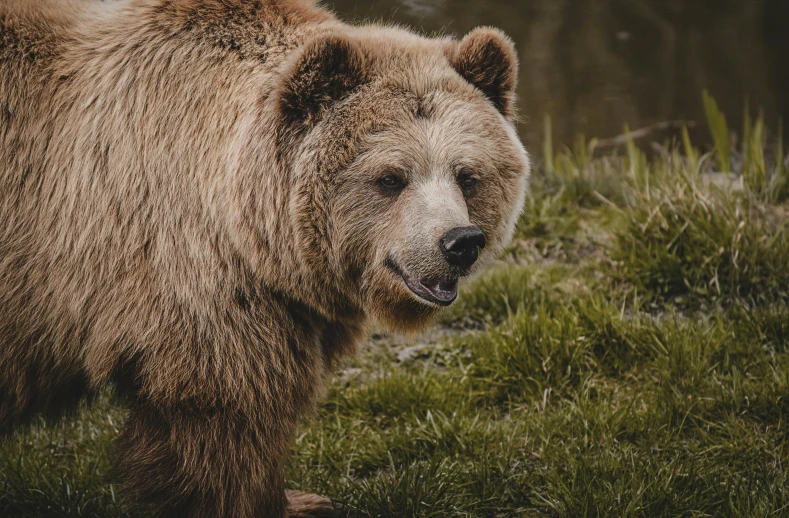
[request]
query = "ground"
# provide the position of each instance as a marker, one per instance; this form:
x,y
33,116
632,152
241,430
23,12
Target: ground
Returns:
x,y
628,356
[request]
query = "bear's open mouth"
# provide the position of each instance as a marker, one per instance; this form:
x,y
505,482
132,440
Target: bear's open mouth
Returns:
x,y
436,292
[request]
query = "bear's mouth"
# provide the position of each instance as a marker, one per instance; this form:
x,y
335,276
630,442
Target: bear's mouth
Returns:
x,y
442,293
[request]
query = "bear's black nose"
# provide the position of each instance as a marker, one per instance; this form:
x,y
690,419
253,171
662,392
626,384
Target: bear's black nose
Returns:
x,y
460,246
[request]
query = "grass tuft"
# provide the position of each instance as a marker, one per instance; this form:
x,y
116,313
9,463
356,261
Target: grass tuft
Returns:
x,y
691,243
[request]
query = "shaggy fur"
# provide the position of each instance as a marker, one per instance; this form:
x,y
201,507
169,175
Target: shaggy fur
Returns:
x,y
191,212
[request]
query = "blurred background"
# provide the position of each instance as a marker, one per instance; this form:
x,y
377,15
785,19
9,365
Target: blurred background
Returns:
x,y
595,65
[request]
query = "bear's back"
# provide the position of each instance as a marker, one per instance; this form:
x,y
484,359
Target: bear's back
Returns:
x,y
116,119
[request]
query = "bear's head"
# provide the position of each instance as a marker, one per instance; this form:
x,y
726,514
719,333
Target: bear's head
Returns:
x,y
407,169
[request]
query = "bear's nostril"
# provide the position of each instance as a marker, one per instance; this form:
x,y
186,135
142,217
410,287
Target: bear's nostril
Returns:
x,y
461,245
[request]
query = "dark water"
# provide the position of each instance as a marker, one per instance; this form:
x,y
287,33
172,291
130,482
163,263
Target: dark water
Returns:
x,y
594,65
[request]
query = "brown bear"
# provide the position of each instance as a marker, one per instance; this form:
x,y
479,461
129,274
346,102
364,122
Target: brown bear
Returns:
x,y
202,203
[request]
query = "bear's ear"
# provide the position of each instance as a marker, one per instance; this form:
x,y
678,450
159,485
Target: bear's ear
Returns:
x,y
327,69
486,58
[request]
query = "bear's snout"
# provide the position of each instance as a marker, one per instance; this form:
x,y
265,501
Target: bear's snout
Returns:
x,y
461,245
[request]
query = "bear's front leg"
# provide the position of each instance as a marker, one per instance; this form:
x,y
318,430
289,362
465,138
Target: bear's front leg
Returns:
x,y
198,462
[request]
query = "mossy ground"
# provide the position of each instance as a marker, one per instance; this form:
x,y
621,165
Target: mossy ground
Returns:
x,y
628,356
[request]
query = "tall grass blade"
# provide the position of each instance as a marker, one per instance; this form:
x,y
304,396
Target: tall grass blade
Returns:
x,y
547,145
780,181
691,153
581,151
719,131
754,171
636,161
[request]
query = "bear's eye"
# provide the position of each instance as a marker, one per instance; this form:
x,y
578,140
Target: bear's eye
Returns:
x,y
391,183
467,182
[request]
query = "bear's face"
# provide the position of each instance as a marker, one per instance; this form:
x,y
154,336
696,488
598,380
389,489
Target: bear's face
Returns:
x,y
424,202
409,171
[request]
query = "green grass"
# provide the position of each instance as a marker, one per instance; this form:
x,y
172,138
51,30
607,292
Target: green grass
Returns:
x,y
627,356
686,241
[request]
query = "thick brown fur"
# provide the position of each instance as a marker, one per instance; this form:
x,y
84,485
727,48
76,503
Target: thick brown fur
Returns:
x,y
189,213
